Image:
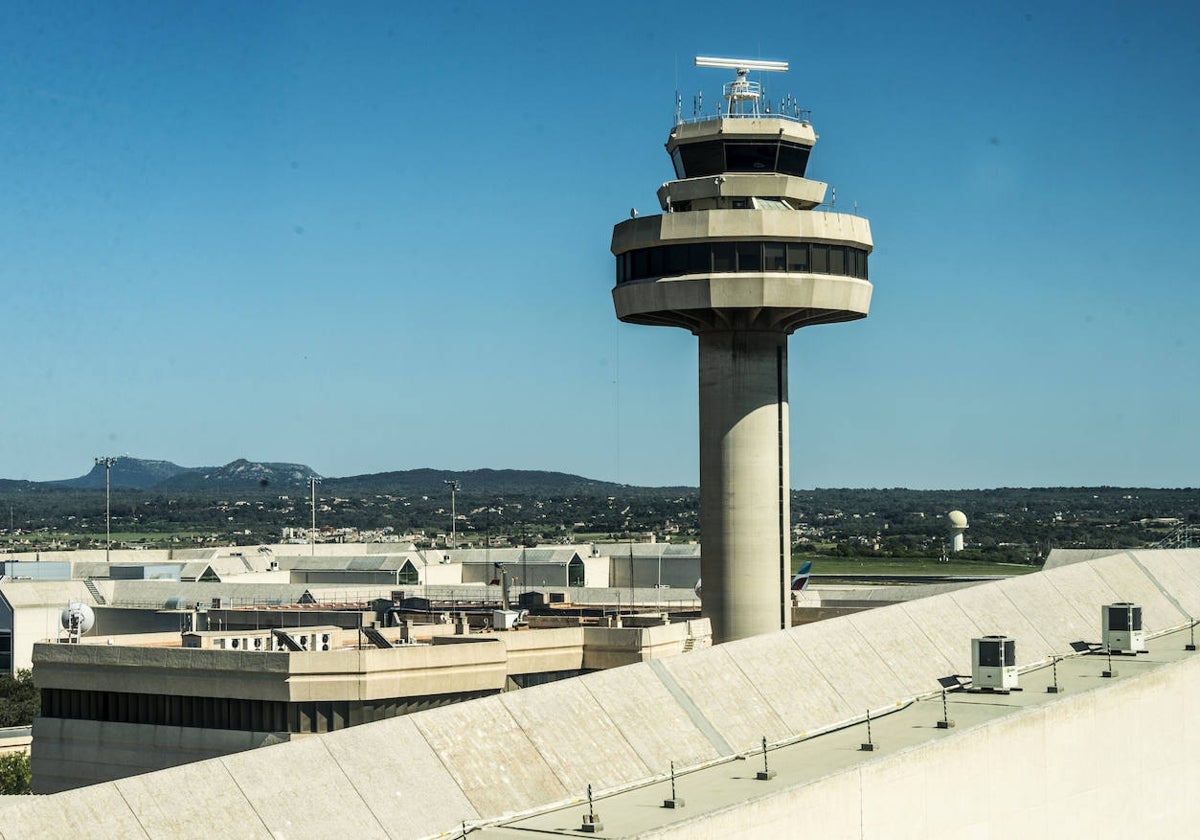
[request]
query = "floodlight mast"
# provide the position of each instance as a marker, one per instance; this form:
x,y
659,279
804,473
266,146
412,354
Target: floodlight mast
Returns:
x,y
107,462
742,95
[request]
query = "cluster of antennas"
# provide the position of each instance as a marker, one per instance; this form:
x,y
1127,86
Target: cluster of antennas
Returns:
x,y
743,97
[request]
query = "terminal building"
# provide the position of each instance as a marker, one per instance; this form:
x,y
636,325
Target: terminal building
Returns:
x,y
122,706
147,590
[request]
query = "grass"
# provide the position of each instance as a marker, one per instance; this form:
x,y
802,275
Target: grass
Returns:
x,y
93,541
824,565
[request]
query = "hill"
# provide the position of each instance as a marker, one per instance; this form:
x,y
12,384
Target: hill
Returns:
x,y
240,475
426,480
127,474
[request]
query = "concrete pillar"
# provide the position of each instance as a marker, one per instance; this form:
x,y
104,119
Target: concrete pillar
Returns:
x,y
744,496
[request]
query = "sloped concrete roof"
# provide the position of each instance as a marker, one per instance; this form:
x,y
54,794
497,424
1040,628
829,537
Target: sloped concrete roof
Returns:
x,y
429,772
44,593
1065,556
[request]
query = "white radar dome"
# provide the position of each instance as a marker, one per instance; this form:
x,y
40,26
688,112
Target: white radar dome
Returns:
x,y
957,519
78,617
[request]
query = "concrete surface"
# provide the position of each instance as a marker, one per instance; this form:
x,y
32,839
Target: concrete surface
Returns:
x,y
490,756
905,648
726,698
649,718
861,677
788,681
400,778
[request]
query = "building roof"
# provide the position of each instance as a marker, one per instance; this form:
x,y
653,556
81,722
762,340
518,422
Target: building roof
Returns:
x,y
1065,556
44,593
649,550
548,556
157,594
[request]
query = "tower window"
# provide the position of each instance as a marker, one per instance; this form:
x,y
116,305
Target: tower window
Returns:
x,y
656,262
750,157
677,260
774,256
797,257
793,159
697,159
820,259
748,257
723,257
837,259
713,157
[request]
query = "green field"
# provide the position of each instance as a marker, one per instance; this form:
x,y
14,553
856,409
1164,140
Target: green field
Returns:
x,y
44,541
825,565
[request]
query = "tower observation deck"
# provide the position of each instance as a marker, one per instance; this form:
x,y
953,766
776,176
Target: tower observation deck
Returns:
x,y
742,257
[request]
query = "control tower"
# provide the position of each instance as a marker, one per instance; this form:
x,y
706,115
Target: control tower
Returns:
x,y
742,257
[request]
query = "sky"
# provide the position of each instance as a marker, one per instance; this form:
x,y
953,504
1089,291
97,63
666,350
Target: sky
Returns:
x,y
374,236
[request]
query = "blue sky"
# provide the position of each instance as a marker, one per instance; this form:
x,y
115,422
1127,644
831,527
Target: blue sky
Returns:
x,y
376,237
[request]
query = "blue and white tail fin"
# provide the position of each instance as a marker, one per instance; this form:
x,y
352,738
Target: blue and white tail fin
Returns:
x,y
800,579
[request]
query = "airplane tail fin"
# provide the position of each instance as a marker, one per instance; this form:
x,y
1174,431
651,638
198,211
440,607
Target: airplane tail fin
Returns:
x,y
800,579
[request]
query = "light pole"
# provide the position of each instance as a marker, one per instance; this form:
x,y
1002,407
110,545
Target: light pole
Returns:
x,y
454,488
313,481
107,462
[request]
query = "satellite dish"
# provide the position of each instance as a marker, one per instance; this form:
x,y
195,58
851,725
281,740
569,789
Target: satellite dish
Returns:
x,y
77,618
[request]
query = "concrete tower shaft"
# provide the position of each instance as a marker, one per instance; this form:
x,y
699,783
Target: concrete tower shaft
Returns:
x,y
744,512
741,258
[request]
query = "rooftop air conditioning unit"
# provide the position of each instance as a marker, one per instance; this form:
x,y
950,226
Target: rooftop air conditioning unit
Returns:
x,y
504,619
1123,628
994,663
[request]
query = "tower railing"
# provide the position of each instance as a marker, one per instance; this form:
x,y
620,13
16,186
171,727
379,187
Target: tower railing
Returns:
x,y
801,116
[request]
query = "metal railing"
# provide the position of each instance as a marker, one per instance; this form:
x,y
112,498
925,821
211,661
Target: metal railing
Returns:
x,y
1185,536
800,116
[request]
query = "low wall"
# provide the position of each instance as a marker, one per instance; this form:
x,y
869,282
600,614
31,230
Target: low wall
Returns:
x,y
15,739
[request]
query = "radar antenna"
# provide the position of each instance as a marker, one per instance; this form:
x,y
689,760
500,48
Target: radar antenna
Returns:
x,y
742,95
77,619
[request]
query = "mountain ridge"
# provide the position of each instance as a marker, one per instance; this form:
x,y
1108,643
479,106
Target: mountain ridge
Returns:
x,y
130,473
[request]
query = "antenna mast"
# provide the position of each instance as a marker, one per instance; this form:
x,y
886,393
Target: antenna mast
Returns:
x,y
742,96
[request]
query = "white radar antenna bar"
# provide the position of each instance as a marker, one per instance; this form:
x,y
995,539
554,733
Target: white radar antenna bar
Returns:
x,y
742,95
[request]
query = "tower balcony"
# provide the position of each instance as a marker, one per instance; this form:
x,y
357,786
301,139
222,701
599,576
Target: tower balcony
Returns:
x,y
741,191
731,225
